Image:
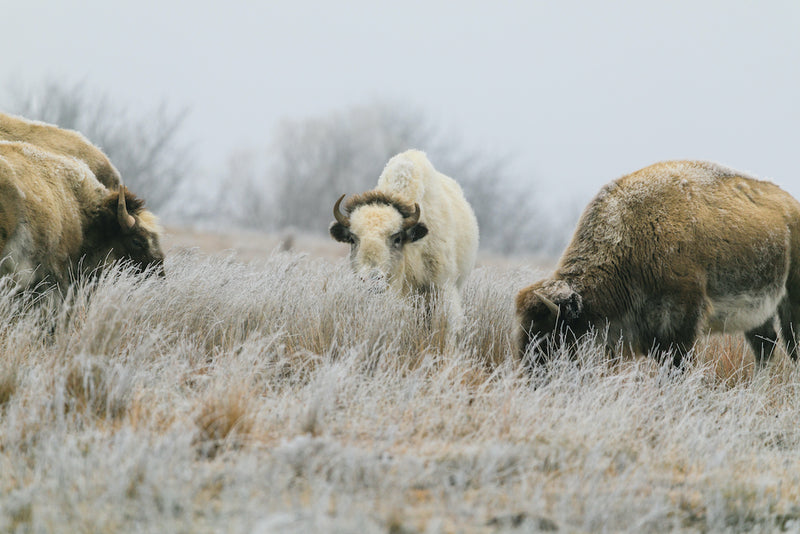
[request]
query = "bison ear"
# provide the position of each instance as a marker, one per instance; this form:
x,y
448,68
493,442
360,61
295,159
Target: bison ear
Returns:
x,y
416,232
340,232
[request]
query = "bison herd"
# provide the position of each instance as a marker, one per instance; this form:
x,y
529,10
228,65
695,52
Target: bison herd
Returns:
x,y
659,256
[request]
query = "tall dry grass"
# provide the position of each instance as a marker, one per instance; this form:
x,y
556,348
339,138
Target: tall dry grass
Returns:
x,y
281,397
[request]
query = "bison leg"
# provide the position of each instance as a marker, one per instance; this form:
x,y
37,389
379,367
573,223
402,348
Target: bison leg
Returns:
x,y
684,317
454,309
789,312
790,322
678,349
763,340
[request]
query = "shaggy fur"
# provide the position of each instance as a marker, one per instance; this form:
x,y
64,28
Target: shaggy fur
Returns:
x,y
437,253
378,198
57,220
60,141
667,253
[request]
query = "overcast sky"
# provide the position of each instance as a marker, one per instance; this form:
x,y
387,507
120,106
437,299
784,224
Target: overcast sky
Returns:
x,y
578,92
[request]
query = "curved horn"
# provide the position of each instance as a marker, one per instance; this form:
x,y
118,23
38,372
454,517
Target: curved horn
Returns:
x,y
413,218
340,217
552,306
126,220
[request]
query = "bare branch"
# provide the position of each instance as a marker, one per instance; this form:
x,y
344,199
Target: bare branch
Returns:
x,y
146,148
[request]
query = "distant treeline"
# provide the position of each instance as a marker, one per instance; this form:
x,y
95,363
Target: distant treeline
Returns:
x,y
308,163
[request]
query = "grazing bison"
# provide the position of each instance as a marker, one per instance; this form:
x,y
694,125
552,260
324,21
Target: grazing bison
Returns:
x,y
65,142
669,252
415,232
58,221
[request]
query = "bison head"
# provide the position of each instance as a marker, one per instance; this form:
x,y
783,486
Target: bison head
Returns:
x,y
378,228
549,312
123,230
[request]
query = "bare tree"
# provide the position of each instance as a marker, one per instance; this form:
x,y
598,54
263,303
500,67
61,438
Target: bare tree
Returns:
x,y
311,162
146,148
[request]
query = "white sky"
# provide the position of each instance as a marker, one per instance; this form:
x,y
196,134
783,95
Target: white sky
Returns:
x,y
578,92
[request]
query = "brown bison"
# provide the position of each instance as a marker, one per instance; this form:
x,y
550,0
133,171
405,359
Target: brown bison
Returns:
x,y
670,252
65,142
57,220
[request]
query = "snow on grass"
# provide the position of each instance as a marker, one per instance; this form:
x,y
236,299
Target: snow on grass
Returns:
x,y
281,397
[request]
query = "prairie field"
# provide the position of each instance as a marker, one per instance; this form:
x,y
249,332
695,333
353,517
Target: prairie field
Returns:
x,y
274,394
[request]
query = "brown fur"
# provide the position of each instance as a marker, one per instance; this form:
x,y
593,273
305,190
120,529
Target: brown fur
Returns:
x,y
378,197
58,221
669,252
60,141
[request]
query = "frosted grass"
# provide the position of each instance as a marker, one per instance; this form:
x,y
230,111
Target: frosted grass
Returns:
x,y
282,397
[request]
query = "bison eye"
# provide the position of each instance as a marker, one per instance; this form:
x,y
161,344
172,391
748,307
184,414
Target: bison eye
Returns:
x,y
138,244
397,240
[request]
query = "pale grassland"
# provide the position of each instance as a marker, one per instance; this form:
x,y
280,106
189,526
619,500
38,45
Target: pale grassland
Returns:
x,y
278,396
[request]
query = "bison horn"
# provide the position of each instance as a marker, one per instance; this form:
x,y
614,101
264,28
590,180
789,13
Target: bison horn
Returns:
x,y
340,217
412,219
126,220
552,306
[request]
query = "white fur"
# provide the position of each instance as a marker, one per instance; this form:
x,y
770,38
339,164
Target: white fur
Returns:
x,y
441,260
745,311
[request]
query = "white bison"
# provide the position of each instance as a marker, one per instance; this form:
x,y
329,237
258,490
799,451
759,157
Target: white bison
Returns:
x,y
670,252
415,232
